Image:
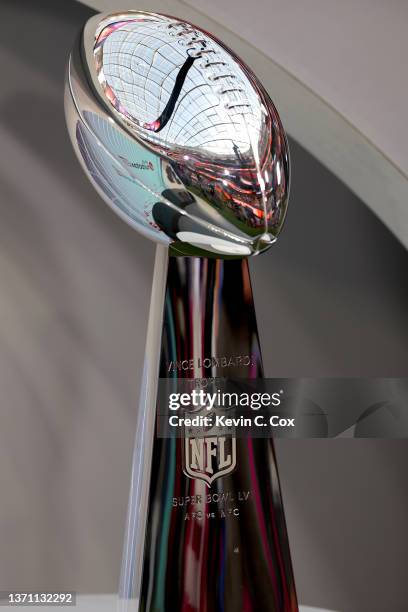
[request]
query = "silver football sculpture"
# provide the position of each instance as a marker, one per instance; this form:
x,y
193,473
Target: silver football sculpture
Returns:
x,y
177,135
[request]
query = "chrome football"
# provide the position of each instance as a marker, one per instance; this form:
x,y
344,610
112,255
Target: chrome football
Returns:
x,y
177,135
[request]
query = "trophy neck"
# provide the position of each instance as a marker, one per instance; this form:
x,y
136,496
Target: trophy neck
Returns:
x,y
209,323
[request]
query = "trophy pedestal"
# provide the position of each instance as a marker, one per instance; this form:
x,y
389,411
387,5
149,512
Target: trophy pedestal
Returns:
x,y
199,554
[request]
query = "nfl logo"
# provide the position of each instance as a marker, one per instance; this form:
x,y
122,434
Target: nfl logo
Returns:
x,y
209,458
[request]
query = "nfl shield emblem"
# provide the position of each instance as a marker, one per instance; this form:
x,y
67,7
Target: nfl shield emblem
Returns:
x,y
209,458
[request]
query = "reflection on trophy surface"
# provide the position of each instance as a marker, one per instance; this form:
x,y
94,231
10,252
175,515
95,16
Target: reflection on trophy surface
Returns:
x,y
182,141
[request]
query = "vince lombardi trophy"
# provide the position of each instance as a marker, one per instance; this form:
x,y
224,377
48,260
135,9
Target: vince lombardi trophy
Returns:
x,y
182,141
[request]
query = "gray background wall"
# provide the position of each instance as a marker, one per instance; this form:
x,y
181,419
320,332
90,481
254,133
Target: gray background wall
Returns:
x,y
331,300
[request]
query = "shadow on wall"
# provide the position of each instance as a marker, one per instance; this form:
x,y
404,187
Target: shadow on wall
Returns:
x,y
332,295
75,291
41,33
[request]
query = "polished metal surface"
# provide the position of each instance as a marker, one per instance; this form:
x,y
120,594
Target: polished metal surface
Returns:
x,y
178,135
214,544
